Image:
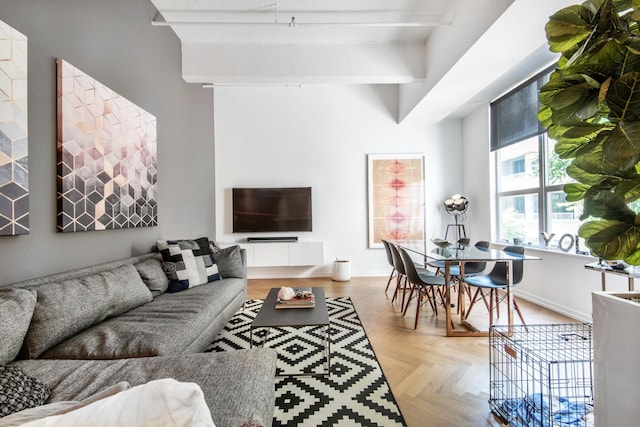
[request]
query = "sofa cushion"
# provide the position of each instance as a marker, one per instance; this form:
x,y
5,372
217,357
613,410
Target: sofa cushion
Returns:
x,y
16,309
229,260
153,275
170,324
19,391
66,308
238,385
187,263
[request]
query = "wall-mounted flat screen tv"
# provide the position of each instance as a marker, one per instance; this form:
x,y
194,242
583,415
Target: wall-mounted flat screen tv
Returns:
x,y
271,209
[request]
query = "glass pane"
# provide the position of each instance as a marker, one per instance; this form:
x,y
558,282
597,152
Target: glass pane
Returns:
x,y
518,166
564,218
556,167
519,218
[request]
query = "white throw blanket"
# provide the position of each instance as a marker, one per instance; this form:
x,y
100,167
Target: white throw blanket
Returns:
x,y
159,403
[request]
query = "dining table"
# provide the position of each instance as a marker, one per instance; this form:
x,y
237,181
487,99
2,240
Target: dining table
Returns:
x,y
459,254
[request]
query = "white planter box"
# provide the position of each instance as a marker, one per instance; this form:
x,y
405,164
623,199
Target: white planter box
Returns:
x,y
616,359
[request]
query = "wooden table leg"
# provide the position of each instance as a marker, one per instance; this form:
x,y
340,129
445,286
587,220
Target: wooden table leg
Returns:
x,y
509,265
447,299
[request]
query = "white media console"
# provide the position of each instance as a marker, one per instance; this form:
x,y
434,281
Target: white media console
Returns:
x,y
279,254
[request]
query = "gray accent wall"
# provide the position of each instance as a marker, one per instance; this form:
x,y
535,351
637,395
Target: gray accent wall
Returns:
x,y
114,42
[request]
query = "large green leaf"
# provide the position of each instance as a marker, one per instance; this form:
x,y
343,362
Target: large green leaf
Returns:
x,y
623,97
634,258
570,95
567,28
629,190
585,177
612,57
580,131
610,239
592,161
575,191
621,150
607,205
567,148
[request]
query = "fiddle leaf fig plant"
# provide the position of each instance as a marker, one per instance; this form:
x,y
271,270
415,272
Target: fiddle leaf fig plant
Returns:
x,y
591,107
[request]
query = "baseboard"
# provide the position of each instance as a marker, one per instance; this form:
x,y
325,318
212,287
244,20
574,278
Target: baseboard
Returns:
x,y
268,273
583,317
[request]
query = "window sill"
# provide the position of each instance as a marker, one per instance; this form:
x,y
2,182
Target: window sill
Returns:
x,y
586,257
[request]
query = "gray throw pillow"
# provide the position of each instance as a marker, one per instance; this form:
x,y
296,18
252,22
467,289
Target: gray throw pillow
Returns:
x,y
230,262
18,391
153,275
66,308
16,310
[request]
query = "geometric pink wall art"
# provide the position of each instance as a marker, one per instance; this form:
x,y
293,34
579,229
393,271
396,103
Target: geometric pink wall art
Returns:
x,y
396,198
107,161
14,150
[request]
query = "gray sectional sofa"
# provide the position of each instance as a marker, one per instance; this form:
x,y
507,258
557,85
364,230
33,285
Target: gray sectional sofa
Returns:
x,y
95,327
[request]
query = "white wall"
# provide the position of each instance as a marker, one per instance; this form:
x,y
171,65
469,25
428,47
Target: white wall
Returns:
x,y
477,173
319,136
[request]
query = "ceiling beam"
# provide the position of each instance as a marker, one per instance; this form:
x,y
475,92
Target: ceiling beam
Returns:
x,y
390,63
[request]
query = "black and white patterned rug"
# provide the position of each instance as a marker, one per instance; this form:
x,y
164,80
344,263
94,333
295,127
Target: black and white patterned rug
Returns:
x,y
355,393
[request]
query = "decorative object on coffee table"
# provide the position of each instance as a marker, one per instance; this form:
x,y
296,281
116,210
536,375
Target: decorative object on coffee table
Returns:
x,y
295,298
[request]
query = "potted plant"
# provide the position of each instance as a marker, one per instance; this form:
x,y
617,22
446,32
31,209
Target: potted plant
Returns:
x,y
341,270
591,108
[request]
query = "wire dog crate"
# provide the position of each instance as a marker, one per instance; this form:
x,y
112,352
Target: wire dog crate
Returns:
x,y
541,375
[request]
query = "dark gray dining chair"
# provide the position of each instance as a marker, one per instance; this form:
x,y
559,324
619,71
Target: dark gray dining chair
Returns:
x,y
495,281
387,250
402,283
422,284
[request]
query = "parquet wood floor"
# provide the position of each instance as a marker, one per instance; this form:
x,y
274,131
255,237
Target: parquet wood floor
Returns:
x,y
437,381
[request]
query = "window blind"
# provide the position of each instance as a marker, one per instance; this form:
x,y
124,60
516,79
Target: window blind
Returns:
x,y
514,116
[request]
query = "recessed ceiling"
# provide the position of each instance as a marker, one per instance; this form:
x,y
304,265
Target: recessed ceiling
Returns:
x,y
303,41
302,21
445,55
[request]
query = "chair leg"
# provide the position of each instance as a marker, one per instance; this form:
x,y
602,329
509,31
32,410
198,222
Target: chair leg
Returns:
x,y
432,299
404,291
515,305
398,284
419,298
389,281
497,303
474,299
406,306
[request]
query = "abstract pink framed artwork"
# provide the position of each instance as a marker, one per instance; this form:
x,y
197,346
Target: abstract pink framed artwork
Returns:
x,y
396,198
14,146
107,162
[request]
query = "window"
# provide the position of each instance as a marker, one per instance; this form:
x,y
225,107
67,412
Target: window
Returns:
x,y
529,174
